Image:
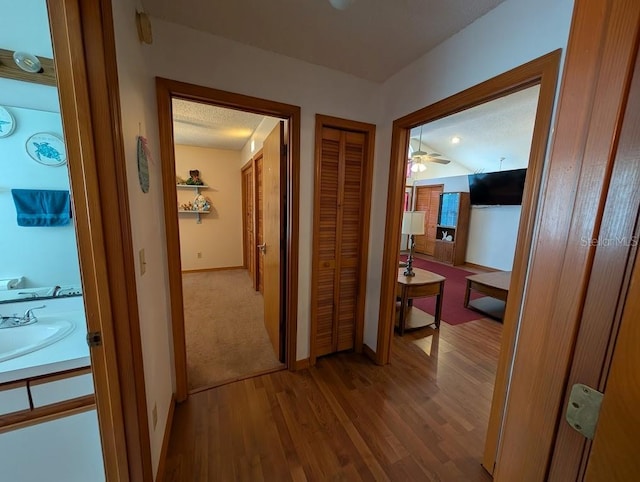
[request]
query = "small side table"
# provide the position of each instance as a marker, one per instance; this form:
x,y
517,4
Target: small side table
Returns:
x,y
423,284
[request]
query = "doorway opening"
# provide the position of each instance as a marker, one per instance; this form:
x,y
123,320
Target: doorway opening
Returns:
x,y
541,72
221,197
233,278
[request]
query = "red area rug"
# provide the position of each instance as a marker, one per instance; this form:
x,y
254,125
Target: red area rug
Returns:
x,y
453,310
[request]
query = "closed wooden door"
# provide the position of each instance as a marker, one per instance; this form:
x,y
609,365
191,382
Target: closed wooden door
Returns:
x,y
273,177
428,200
249,241
259,222
615,455
340,215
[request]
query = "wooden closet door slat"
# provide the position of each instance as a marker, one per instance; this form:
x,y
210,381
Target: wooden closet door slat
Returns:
x,y
351,238
328,174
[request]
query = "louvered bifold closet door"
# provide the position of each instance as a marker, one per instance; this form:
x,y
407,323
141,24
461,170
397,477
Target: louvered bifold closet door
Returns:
x,y
339,239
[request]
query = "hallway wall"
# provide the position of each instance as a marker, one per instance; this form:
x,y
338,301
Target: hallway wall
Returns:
x,y
139,117
515,32
247,70
218,238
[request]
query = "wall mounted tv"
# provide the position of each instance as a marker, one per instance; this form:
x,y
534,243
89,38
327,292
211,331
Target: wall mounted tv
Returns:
x,y
503,188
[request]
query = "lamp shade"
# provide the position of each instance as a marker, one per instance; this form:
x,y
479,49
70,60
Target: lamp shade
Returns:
x,y
413,222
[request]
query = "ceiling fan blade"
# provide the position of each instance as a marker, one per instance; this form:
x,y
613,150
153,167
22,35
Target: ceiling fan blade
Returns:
x,y
440,161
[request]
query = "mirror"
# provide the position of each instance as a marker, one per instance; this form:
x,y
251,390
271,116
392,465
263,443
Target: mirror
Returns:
x,y
35,261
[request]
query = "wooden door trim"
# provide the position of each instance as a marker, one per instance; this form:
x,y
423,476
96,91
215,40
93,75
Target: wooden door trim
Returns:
x,y
369,130
542,71
166,89
615,250
600,57
613,457
248,165
84,44
256,275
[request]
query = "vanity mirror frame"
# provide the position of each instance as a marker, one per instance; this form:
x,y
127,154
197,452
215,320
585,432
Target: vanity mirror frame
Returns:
x,y
543,71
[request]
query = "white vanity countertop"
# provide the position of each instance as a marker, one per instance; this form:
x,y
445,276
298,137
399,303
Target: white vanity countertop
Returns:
x,y
70,352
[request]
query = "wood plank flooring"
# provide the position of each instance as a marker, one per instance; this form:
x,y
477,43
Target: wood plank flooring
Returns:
x,y
421,418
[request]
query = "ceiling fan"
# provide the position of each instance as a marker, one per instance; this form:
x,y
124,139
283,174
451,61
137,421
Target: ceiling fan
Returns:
x,y
419,158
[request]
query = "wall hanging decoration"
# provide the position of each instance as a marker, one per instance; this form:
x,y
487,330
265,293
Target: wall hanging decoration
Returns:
x,y
47,149
7,122
144,155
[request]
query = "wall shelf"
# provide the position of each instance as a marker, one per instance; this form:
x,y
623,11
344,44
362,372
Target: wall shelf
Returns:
x,y
197,213
196,188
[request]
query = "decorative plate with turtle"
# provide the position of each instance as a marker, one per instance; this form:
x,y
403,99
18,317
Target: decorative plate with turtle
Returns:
x,y
47,149
7,122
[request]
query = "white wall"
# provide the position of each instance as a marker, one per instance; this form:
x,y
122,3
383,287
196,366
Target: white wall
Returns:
x,y
259,135
219,237
515,32
493,230
45,256
139,115
248,70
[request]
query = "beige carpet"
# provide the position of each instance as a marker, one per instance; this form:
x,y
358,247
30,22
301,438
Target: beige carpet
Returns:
x,y
224,328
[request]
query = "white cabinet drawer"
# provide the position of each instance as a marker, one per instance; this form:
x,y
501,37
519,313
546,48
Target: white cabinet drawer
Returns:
x,y
14,398
45,392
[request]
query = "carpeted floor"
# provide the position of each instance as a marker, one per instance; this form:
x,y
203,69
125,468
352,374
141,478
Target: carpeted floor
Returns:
x,y
224,328
453,310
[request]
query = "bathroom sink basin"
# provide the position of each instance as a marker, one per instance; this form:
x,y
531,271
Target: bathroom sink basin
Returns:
x,y
20,340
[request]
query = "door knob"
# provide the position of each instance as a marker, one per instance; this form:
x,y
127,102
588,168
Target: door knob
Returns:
x,y
263,248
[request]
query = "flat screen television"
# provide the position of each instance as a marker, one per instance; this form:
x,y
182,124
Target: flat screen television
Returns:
x,y
503,188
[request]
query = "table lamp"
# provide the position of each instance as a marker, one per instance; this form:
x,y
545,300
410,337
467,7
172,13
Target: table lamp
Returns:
x,y
412,224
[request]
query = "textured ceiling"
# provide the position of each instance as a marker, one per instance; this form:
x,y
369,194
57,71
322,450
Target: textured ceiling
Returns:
x,y
203,125
372,39
498,129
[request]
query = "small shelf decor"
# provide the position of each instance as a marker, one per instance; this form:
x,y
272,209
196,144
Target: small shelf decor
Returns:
x,y
200,204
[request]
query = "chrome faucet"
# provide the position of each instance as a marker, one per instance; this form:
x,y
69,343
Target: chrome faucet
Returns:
x,y
27,319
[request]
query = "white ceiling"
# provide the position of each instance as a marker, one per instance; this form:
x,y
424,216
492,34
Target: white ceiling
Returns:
x,y
371,39
203,125
502,128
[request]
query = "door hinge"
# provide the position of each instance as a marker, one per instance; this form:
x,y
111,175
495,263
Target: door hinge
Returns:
x,y
94,338
584,409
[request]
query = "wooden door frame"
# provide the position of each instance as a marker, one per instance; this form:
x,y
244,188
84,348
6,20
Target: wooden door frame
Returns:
x,y
248,165
369,130
256,218
608,287
166,89
542,71
85,59
600,59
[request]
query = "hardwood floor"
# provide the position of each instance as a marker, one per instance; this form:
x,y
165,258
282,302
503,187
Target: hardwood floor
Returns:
x,y
421,418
